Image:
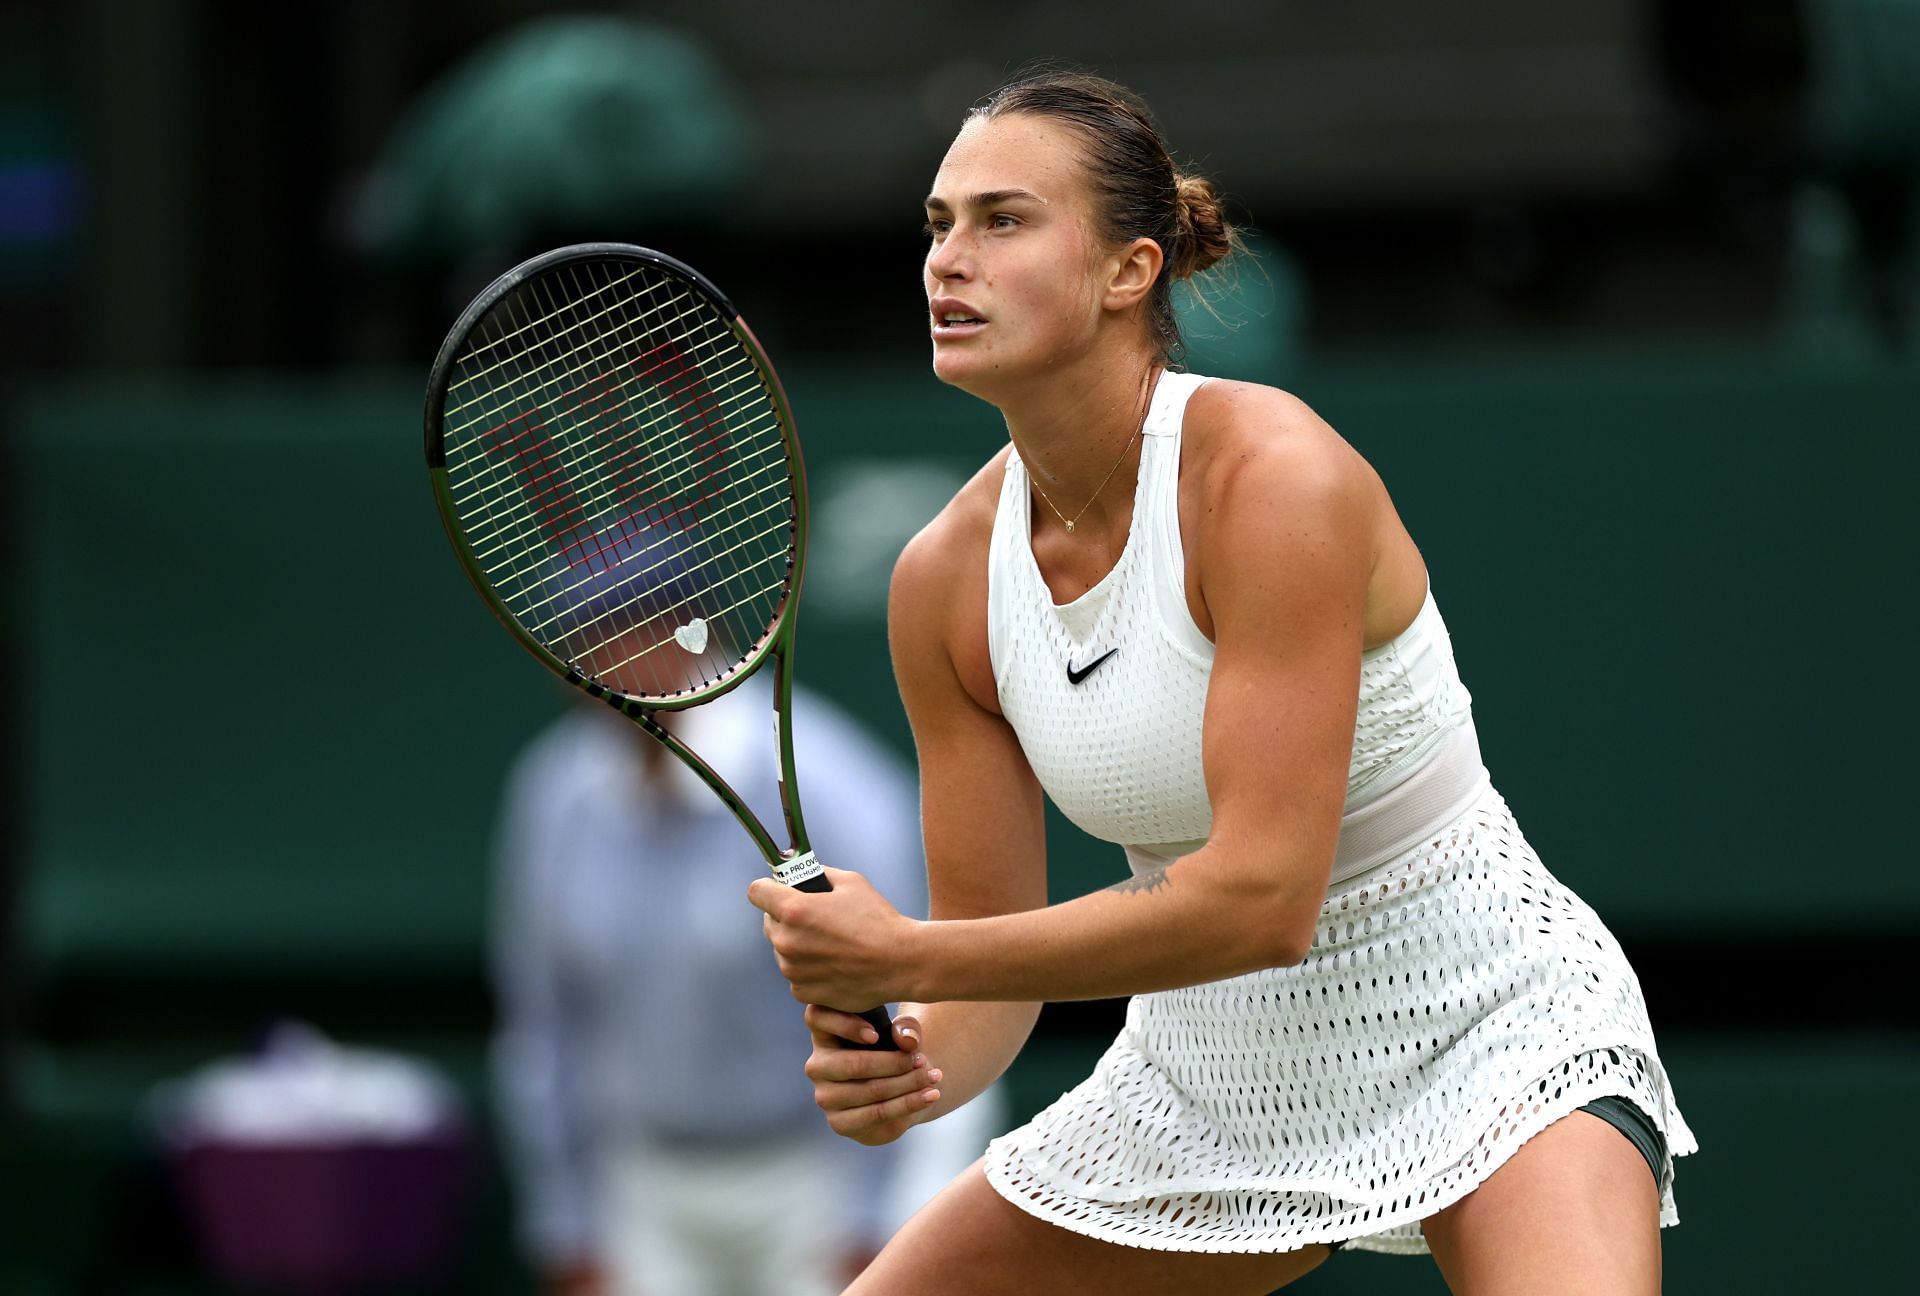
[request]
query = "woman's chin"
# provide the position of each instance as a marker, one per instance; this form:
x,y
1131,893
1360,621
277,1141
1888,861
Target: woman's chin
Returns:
x,y
971,370
955,368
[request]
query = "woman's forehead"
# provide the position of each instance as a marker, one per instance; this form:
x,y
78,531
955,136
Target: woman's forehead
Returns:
x,y
1011,151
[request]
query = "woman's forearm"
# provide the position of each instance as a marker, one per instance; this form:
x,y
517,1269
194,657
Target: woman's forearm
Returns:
x,y
1200,919
971,1043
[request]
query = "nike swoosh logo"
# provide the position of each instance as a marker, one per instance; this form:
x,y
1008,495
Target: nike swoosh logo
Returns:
x,y
1075,676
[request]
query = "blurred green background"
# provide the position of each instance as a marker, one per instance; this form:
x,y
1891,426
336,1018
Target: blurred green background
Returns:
x,y
1623,303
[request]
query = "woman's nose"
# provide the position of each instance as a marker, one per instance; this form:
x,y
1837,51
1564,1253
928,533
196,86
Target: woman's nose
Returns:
x,y
948,260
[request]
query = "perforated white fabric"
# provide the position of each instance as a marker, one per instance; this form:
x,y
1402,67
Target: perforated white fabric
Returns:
x,y
1131,773
1457,999
1119,770
1409,692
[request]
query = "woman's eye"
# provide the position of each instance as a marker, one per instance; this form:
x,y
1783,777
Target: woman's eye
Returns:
x,y
1003,220
934,228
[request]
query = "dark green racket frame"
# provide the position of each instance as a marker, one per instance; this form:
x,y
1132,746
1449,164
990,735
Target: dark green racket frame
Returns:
x,y
794,864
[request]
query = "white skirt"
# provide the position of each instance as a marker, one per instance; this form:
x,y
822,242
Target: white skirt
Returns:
x,y
1456,1001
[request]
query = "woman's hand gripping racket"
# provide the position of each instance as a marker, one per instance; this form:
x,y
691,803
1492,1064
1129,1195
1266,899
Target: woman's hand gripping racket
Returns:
x,y
616,465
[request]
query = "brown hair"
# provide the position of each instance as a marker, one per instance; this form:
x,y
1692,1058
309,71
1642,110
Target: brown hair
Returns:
x,y
1139,192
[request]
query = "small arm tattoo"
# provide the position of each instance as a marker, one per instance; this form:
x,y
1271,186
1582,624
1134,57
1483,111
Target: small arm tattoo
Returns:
x,y
1142,882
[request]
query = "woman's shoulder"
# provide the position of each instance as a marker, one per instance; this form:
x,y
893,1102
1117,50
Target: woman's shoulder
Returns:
x,y
1240,433
955,542
937,606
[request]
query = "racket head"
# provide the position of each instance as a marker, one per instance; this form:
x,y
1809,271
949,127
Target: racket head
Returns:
x,y
616,465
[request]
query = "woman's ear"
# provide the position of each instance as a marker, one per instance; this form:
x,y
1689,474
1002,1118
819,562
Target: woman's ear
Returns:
x,y
1131,274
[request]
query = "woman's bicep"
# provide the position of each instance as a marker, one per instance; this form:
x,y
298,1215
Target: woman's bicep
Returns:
x,y
982,818
1286,568
980,803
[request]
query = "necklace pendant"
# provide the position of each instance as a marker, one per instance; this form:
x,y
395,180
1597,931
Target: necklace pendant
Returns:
x,y
1069,528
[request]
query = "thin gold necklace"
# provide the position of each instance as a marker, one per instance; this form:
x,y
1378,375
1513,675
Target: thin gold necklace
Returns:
x,y
1127,450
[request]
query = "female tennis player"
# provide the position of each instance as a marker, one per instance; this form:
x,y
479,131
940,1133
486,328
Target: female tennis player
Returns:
x,y
1364,1013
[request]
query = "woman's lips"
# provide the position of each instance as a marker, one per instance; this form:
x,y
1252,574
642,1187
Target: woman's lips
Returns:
x,y
953,318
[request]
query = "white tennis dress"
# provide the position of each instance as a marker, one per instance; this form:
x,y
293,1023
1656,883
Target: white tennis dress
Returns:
x,y
1456,1000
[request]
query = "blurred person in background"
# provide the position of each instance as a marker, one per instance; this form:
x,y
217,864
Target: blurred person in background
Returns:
x,y
625,964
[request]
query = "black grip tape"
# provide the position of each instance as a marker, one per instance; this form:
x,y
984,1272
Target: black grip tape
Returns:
x,y
874,1017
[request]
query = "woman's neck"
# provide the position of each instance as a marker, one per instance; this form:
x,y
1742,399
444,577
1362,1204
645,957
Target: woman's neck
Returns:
x,y
1075,433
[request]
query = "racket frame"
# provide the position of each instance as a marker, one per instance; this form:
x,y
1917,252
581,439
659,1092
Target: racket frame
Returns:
x,y
796,864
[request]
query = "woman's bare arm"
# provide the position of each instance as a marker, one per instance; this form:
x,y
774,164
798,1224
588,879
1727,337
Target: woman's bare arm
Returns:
x,y
1285,553
981,812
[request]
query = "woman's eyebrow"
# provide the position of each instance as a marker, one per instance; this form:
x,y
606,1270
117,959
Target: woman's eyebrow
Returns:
x,y
990,198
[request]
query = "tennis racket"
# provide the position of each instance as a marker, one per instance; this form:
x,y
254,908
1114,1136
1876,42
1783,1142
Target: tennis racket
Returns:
x,y
615,463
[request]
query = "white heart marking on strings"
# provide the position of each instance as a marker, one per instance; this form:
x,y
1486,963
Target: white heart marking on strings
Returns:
x,y
692,636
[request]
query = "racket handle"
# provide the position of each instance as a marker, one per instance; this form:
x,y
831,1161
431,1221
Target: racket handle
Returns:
x,y
874,1017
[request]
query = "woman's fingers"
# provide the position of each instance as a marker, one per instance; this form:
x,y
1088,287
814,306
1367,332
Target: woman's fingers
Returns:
x,y
869,1095
852,1094
876,1118
832,1024
828,1065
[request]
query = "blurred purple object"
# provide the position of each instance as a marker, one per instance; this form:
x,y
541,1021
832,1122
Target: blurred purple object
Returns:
x,y
328,1216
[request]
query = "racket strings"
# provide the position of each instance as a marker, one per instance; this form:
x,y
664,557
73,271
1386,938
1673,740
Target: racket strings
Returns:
x,y
667,470
541,500
739,365
476,352
544,466
688,604
479,401
671,472
619,614
538,332
773,469
621,472
623,611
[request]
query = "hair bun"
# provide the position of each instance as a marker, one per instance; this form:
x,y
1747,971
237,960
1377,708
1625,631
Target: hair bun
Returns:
x,y
1204,237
